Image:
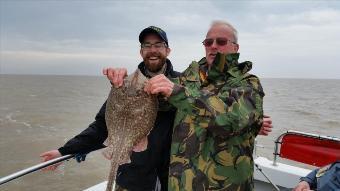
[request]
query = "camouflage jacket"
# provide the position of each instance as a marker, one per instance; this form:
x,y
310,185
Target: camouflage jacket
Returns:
x,y
219,114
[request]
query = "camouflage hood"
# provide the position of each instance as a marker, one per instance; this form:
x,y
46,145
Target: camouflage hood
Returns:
x,y
225,65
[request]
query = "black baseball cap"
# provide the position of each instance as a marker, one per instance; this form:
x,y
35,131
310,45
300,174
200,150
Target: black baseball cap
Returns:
x,y
155,30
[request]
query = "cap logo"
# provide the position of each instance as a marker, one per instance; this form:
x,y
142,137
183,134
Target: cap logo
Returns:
x,y
156,29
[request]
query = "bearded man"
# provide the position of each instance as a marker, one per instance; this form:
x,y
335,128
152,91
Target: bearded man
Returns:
x,y
150,158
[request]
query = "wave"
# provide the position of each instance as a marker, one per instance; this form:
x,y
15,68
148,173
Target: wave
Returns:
x,y
306,112
333,123
10,119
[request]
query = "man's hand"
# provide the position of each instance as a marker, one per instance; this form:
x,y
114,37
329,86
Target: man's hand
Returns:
x,y
266,125
302,186
49,155
141,146
115,75
159,84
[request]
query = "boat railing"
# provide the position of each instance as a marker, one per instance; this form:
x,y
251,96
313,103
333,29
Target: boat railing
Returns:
x,y
33,169
279,142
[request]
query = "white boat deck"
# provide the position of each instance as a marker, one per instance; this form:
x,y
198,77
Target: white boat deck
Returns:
x,y
284,176
99,187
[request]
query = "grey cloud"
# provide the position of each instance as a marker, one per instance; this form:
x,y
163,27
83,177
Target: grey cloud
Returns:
x,y
81,37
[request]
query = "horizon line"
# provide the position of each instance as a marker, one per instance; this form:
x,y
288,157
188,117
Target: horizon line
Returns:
x,y
93,75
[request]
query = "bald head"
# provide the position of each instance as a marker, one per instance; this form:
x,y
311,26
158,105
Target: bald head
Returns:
x,y
221,37
227,27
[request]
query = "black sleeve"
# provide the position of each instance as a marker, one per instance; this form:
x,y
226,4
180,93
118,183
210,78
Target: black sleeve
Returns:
x,y
90,139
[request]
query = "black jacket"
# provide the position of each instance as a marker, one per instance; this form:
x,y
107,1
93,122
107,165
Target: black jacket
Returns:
x,y
145,167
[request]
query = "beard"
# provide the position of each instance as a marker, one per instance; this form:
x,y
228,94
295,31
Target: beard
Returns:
x,y
154,65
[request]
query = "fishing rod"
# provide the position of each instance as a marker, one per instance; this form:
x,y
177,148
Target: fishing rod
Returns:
x,y
34,168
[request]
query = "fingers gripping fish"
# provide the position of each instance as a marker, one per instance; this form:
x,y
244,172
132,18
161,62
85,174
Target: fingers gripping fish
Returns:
x,y
130,115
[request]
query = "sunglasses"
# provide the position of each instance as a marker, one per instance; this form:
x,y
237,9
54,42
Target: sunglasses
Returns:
x,y
219,41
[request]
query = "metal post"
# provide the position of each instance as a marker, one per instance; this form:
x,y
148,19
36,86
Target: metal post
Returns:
x,y
276,148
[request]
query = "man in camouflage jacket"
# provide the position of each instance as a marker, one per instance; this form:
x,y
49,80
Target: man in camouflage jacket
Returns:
x,y
219,114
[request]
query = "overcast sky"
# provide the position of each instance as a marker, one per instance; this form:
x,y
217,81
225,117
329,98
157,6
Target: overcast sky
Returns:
x,y
289,39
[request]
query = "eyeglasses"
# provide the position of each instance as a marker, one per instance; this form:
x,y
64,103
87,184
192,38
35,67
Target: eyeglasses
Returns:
x,y
157,45
219,41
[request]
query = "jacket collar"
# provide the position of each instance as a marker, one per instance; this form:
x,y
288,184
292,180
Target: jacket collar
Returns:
x,y
226,64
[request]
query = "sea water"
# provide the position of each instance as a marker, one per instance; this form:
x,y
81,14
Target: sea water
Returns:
x,y
40,113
